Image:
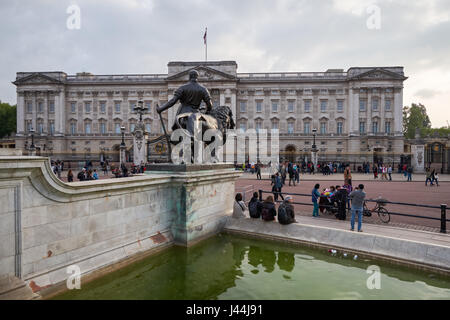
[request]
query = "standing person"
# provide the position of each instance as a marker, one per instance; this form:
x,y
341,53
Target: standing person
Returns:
x,y
357,198
286,214
70,176
258,171
268,211
277,187
347,175
384,172
315,193
95,174
409,170
255,206
239,207
81,175
283,175
340,197
297,173
428,177
436,178
389,171
375,171
291,174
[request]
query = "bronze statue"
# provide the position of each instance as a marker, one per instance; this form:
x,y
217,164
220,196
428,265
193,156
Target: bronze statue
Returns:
x,y
189,113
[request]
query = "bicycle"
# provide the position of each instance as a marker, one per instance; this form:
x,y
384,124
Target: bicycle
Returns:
x,y
383,214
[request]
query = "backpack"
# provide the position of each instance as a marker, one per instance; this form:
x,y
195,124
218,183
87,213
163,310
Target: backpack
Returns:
x,y
282,214
253,209
266,214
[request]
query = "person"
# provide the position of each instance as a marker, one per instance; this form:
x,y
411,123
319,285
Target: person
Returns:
x,y
70,176
268,211
315,199
82,175
277,187
340,198
357,196
389,171
239,207
436,178
347,175
375,171
383,172
297,173
89,175
409,170
428,177
286,214
291,174
255,206
258,171
95,174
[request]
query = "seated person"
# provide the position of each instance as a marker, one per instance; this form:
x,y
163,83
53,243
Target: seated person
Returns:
x,y
255,206
268,211
286,213
239,207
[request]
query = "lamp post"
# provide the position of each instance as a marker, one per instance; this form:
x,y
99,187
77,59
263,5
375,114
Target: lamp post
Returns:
x,y
314,149
32,147
122,146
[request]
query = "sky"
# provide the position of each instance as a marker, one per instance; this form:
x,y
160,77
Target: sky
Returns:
x,y
142,36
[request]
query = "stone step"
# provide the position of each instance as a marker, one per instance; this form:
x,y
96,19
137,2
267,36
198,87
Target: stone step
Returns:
x,y
13,288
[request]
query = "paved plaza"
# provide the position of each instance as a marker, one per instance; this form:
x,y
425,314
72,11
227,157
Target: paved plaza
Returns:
x,y
397,190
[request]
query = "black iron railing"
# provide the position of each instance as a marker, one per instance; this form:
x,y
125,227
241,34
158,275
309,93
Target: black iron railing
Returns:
x,y
443,207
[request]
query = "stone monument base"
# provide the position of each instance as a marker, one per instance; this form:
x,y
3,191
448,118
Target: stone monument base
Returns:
x,y
205,195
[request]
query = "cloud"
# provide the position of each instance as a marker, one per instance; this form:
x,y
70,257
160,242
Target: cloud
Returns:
x,y
142,36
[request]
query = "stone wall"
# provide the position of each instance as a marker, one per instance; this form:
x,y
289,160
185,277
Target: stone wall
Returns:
x,y
47,225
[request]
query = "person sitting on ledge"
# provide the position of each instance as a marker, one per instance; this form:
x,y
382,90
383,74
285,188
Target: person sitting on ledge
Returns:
x,y
255,206
239,207
286,213
268,211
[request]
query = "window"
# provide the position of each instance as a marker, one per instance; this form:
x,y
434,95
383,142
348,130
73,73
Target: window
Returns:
x,y
73,107
148,105
132,127
52,127
40,106
148,127
102,127
374,104
243,106
307,128
274,106
51,107
323,105
29,107
102,106
387,104
290,127
132,106
362,105
275,125
387,127
375,127
339,127
307,105
323,128
87,128
258,106
340,105
117,106
87,107
28,126
117,128
290,106
362,127
40,127
258,125
73,128
242,127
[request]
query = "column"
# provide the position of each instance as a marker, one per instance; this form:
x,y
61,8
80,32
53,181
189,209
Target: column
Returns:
x,y
20,119
233,103
34,111
62,112
398,113
46,113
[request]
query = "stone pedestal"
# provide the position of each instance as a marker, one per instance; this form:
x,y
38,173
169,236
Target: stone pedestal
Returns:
x,y
122,154
314,159
204,201
139,145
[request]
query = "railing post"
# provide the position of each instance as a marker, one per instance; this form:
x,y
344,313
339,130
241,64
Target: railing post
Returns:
x,y
260,195
443,218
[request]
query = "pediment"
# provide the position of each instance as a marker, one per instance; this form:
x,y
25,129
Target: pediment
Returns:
x,y
37,78
205,74
379,74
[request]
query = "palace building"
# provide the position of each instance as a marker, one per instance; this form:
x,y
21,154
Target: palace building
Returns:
x,y
357,113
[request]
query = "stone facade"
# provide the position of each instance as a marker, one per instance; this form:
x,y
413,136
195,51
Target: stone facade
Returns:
x,y
357,113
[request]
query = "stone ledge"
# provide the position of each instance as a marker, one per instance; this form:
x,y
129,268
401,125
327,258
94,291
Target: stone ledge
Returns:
x,y
170,167
416,254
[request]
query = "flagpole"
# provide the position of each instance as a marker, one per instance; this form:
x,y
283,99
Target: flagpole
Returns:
x,y
206,45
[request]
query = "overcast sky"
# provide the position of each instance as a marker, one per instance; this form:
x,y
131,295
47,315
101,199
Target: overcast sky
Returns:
x,y
142,36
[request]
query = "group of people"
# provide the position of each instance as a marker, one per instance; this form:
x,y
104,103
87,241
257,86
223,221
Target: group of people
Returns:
x,y
84,175
57,167
265,210
432,176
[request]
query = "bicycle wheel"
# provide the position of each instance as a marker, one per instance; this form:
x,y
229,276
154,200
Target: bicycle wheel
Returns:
x,y
366,211
384,215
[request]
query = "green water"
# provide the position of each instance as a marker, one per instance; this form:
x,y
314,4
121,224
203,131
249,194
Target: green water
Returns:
x,y
230,267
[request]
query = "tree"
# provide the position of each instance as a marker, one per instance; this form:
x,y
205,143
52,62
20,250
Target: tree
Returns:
x,y
7,119
415,117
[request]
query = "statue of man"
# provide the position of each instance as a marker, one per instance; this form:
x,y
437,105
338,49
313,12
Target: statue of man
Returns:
x,y
190,96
